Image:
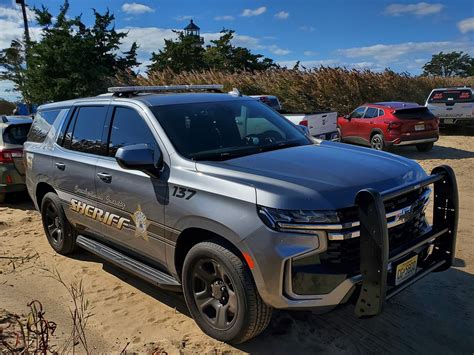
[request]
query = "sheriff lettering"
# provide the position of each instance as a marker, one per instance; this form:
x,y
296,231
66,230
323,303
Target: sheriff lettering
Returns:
x,y
109,219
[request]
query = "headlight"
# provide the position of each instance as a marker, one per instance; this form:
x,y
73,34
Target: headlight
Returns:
x,y
296,221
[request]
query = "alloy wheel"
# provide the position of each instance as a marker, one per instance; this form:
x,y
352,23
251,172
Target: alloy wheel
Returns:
x,y
53,225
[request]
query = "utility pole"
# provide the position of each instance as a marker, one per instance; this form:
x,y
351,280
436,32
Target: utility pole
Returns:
x,y
27,39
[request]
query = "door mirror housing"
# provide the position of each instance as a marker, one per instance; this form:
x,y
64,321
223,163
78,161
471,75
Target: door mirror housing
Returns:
x,y
139,157
347,117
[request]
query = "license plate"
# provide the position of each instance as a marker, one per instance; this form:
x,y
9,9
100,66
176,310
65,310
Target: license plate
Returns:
x,y
419,127
406,270
448,120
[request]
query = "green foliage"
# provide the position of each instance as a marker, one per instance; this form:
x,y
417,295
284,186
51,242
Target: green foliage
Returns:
x,y
338,89
187,53
71,60
450,64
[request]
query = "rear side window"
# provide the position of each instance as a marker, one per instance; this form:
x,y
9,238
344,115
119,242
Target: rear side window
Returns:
x,y
85,130
371,112
128,128
41,125
16,134
381,112
450,96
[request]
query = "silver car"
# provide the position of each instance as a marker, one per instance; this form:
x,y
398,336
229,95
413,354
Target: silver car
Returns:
x,y
221,197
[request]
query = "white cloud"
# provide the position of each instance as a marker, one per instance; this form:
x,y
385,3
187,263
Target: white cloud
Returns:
x,y
11,26
466,25
184,17
310,53
389,53
135,8
309,63
256,12
419,9
282,15
6,91
224,18
307,28
277,50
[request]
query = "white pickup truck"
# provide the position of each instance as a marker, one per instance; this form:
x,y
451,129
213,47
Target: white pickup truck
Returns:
x,y
322,125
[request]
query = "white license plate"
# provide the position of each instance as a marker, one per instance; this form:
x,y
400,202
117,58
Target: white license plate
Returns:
x,y
419,127
448,120
405,270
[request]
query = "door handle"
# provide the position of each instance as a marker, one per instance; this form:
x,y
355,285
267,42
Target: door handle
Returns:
x,y
105,177
61,166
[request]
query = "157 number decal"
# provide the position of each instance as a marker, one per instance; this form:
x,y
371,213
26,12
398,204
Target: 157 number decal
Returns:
x,y
182,192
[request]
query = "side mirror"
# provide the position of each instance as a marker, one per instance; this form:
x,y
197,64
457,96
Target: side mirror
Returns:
x,y
347,117
303,129
139,157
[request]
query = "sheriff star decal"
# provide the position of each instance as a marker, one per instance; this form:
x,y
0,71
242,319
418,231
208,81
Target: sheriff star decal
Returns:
x,y
141,223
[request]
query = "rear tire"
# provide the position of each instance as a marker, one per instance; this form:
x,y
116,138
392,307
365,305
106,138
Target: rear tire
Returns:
x,y
377,142
60,233
425,147
221,294
2,197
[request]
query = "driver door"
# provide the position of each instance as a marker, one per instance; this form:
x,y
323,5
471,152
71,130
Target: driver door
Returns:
x,y
353,125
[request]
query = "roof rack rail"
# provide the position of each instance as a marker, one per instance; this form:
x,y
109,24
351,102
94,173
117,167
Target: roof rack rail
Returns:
x,y
127,90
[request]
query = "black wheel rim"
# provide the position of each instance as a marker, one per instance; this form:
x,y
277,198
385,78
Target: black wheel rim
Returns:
x,y
53,224
214,294
377,143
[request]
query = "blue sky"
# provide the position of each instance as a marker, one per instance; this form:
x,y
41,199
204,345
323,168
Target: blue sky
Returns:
x,y
374,34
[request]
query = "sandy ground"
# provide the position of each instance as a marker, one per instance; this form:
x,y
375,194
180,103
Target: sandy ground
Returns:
x,y
434,316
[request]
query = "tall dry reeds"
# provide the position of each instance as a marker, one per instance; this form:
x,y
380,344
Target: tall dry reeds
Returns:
x,y
307,90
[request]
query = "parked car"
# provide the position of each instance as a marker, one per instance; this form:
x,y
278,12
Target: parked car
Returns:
x,y
321,125
388,124
453,106
221,197
13,133
269,100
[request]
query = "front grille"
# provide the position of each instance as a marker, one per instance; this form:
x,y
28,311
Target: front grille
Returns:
x,y
344,255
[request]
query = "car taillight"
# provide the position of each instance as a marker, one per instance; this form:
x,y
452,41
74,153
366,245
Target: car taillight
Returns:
x,y
7,155
304,123
394,125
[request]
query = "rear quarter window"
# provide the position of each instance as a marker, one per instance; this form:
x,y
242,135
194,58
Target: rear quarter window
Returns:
x,y
16,134
450,96
41,125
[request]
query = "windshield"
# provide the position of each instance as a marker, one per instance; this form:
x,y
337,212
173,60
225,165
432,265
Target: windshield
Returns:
x,y
226,129
447,96
16,134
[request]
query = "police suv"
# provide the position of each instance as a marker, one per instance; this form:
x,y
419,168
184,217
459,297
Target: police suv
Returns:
x,y
220,196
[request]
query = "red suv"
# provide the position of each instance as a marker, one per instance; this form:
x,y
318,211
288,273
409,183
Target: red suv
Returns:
x,y
386,124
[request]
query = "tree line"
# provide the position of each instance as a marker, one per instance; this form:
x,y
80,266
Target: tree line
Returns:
x,y
74,60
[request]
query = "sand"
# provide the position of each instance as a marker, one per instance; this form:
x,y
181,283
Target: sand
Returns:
x,y
435,315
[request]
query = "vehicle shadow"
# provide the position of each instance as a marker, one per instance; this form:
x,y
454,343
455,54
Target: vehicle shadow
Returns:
x,y
436,315
19,201
456,131
438,152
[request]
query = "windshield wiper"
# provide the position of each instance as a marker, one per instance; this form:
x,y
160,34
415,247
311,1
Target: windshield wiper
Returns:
x,y
281,145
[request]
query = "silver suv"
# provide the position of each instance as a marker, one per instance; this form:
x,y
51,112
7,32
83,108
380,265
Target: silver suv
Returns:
x,y
220,196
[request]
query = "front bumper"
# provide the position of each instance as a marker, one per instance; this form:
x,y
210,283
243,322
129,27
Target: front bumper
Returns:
x,y
275,254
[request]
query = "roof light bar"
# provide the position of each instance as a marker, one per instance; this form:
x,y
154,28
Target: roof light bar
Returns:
x,y
138,89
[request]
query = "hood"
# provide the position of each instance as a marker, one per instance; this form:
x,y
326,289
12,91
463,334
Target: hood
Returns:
x,y
315,177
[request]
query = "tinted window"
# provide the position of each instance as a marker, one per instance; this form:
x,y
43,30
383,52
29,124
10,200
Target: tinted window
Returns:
x,y
16,134
226,129
358,113
88,130
371,112
448,96
128,128
41,125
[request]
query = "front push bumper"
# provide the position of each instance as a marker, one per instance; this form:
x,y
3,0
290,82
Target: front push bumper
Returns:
x,y
375,252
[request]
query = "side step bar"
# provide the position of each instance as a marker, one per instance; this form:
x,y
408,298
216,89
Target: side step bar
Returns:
x,y
129,264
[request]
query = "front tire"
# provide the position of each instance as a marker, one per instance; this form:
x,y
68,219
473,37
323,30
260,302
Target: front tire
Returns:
x,y
425,147
221,294
60,233
377,142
